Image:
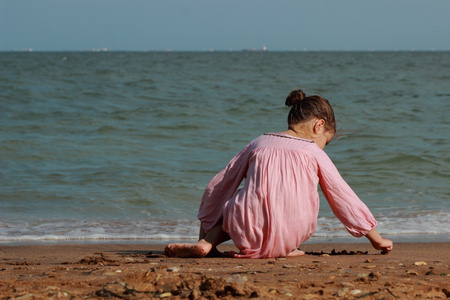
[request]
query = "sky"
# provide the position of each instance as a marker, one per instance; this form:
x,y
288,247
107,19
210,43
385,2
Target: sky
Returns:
x,y
205,25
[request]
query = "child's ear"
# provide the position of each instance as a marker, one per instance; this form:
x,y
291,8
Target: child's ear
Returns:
x,y
319,126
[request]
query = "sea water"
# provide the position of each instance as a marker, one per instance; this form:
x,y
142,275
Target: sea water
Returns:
x,y
119,146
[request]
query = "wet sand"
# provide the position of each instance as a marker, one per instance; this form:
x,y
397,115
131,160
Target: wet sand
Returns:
x,y
138,271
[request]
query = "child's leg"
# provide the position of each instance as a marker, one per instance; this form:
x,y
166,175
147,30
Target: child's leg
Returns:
x,y
202,232
214,251
206,244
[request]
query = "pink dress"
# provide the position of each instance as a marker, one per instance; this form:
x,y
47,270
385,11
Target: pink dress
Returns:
x,y
276,209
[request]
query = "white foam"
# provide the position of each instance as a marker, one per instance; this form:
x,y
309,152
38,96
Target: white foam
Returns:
x,y
396,223
400,222
98,230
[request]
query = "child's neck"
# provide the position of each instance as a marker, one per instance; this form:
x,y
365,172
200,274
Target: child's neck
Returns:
x,y
298,133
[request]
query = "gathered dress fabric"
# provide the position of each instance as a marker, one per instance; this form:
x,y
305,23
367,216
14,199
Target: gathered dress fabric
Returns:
x,y
277,207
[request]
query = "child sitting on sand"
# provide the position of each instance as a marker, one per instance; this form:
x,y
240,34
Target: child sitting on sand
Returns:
x,y
276,210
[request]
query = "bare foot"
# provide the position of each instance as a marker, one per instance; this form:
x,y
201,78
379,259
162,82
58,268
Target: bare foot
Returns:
x,y
197,250
296,252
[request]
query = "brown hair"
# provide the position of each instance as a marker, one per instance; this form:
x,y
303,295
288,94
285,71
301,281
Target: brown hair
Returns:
x,y
303,108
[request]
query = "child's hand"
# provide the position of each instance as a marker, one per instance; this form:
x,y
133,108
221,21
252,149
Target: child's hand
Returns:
x,y
384,244
378,242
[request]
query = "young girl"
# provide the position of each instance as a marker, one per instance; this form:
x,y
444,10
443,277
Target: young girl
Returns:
x,y
277,208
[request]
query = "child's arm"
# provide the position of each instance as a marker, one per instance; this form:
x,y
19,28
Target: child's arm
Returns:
x,y
378,242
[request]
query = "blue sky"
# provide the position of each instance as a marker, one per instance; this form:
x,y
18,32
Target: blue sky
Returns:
x,y
190,25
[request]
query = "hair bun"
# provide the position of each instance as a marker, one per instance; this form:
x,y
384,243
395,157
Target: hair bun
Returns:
x,y
294,97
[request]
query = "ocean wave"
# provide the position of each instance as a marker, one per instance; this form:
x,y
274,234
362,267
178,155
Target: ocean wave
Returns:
x,y
405,159
95,230
398,223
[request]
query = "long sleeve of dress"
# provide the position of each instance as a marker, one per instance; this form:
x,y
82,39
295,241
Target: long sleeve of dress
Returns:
x,y
222,187
345,204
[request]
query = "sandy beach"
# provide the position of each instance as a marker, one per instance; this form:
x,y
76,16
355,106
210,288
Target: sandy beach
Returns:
x,y
139,271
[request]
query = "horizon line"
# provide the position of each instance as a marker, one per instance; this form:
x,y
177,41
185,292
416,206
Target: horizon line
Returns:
x,y
103,50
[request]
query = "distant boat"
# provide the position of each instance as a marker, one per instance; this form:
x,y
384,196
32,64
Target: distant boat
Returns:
x,y
264,48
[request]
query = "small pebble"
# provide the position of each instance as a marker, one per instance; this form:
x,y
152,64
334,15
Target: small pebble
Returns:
x,y
355,292
411,272
369,267
347,284
26,296
341,292
289,294
236,278
165,295
109,273
173,269
420,263
288,266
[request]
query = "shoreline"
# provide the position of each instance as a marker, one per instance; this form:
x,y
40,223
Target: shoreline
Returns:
x,y
136,271
400,238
